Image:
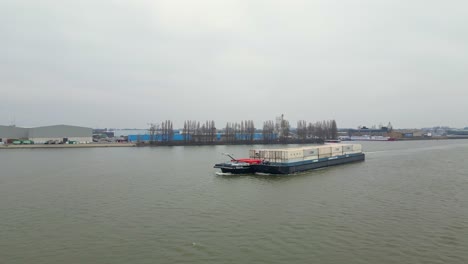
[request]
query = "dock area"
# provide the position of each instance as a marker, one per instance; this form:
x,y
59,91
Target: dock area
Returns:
x,y
90,145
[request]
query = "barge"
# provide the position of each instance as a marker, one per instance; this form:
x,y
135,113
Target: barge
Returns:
x,y
371,138
293,160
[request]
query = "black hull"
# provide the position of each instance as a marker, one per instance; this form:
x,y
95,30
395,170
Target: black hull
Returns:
x,y
238,171
289,169
228,168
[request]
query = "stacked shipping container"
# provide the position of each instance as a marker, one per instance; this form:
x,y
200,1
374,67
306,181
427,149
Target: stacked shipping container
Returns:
x,y
306,153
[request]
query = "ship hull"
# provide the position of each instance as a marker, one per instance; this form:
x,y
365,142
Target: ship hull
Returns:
x,y
230,168
285,168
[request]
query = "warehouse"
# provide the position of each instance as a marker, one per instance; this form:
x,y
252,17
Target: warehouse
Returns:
x,y
41,135
12,132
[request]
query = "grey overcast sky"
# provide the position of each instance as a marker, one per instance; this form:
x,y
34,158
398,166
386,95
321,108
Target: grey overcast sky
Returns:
x,y
110,63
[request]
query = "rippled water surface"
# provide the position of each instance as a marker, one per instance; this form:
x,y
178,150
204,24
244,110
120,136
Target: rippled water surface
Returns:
x,y
407,203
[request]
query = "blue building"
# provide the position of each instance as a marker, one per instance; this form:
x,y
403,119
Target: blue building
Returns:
x,y
180,137
147,137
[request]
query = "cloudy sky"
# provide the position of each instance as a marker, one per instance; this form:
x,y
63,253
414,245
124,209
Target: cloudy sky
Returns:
x,y
110,63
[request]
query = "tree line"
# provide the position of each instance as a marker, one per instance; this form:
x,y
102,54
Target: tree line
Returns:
x,y
163,132
244,132
194,132
325,129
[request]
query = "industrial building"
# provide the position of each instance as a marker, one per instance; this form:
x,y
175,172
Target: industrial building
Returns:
x,y
177,136
458,132
41,135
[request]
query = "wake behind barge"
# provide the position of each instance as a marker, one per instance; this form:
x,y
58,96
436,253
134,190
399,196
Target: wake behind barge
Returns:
x,y
293,160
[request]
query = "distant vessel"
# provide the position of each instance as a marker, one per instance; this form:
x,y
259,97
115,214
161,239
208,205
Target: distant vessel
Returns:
x,y
371,138
293,160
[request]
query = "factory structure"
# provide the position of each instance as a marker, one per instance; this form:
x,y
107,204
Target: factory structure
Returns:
x,y
57,134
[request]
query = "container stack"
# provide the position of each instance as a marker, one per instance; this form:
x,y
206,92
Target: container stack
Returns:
x,y
278,155
290,155
352,149
325,151
311,153
337,150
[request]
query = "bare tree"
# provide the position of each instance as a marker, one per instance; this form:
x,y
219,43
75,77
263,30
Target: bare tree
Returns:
x,y
334,130
268,131
250,130
167,131
285,128
190,129
319,130
153,129
184,131
236,132
311,131
227,132
302,129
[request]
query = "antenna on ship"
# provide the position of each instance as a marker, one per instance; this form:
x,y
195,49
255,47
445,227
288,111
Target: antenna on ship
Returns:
x,y
229,155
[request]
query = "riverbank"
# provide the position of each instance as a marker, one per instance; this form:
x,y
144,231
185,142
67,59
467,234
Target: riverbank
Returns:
x,y
431,138
224,143
173,143
91,145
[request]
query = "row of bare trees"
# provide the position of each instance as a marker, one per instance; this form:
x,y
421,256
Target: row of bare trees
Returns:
x,y
165,131
193,131
234,132
326,129
196,132
268,131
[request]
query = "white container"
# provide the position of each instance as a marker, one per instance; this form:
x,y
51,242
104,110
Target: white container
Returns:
x,y
293,160
324,150
337,149
347,147
294,154
277,155
267,154
307,152
311,157
283,155
288,155
325,155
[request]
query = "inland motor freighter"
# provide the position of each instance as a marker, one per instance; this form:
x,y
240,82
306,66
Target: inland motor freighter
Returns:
x,y
293,160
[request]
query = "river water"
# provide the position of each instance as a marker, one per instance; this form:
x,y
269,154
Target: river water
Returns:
x,y
407,203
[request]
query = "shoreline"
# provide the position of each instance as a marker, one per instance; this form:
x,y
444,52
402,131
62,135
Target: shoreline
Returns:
x,y
61,146
431,138
173,144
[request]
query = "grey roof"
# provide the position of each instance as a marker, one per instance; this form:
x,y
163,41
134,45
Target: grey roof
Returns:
x,y
57,131
13,132
60,131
